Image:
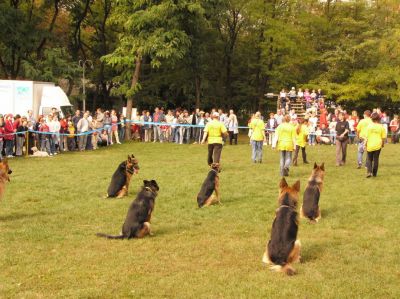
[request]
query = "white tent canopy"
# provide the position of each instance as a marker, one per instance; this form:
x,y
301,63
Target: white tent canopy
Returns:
x,y
54,96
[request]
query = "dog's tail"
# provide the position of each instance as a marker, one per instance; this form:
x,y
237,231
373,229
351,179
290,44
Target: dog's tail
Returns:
x,y
287,269
110,236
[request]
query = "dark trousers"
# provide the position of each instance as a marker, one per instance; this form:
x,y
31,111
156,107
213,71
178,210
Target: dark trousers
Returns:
x,y
232,137
296,154
373,161
214,153
341,151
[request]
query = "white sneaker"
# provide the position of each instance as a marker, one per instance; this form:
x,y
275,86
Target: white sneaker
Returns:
x,y
10,156
119,142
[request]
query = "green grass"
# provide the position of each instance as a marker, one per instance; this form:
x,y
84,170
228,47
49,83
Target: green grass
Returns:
x,y
53,208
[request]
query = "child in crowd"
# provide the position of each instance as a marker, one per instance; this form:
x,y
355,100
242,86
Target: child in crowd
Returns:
x,y
71,136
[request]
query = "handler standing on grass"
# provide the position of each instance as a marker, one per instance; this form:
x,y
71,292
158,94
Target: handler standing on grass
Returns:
x,y
361,129
375,136
257,137
286,138
214,130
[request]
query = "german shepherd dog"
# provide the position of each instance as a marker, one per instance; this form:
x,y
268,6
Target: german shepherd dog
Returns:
x,y
310,208
5,172
284,249
211,183
121,178
137,221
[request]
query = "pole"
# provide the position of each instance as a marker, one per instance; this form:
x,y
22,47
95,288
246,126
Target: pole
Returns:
x,y
83,86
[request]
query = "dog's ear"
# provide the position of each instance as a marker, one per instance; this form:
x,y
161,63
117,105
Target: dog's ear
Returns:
x,y
129,158
296,186
315,165
283,184
154,183
322,166
146,182
132,156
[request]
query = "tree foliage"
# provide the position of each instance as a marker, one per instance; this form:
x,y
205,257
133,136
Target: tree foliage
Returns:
x,y
206,53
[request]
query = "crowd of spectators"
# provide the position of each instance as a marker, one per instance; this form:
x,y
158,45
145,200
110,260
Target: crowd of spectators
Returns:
x,y
55,133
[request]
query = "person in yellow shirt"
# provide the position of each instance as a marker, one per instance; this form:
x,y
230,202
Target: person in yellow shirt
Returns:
x,y
301,140
374,136
286,138
214,130
257,137
361,129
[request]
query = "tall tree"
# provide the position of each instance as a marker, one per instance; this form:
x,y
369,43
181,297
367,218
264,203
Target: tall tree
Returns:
x,y
150,30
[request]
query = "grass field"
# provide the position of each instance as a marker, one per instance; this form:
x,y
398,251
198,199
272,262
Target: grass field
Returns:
x,y
53,208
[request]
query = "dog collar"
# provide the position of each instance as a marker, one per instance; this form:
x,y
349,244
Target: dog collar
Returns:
x,y
149,189
214,170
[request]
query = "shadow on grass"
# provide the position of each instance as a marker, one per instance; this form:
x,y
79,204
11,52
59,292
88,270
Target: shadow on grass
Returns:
x,y
310,254
18,216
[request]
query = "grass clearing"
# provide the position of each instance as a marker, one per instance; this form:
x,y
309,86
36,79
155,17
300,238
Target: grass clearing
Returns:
x,y
53,208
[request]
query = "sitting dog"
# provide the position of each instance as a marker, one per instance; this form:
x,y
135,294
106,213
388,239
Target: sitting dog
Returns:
x,y
137,221
121,178
37,153
284,249
310,208
5,172
210,184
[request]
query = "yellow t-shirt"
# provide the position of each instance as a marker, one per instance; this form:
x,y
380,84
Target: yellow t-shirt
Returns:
x,y
215,129
374,135
71,131
302,136
362,127
286,133
258,126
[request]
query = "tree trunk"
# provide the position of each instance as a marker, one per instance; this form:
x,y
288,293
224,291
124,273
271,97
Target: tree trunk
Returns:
x,y
197,82
129,101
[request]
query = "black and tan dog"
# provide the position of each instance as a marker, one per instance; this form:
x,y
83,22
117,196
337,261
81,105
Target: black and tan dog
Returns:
x,y
5,172
210,185
137,221
310,208
121,178
284,249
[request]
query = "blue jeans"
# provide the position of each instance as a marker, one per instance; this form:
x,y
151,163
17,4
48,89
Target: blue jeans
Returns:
x,y
45,144
1,149
286,160
360,152
9,147
52,144
257,150
311,140
121,134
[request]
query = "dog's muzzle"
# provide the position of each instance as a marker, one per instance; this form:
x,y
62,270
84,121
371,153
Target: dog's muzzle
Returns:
x,y
9,171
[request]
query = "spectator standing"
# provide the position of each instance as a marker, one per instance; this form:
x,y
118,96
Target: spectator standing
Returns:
x,y
286,140
1,135
342,139
394,129
156,129
233,127
121,128
45,136
214,130
375,136
71,136
114,126
83,127
271,126
107,126
20,138
9,135
361,130
257,138
169,118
